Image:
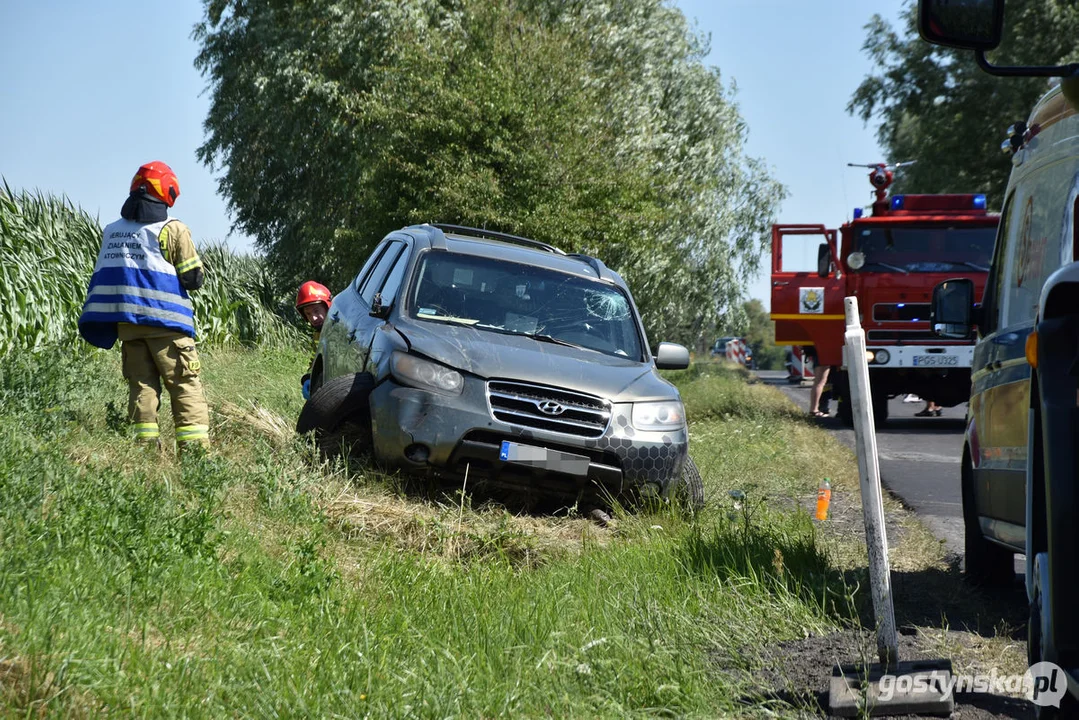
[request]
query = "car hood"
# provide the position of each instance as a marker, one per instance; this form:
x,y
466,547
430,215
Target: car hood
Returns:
x,y
516,357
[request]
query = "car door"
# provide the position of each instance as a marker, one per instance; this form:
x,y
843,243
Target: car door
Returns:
x,y
996,388
1034,236
384,283
339,354
807,308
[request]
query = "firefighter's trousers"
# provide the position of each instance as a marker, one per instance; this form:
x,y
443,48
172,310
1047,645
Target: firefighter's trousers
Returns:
x,y
169,358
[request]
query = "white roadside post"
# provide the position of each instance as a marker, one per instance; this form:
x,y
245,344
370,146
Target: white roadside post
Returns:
x,y
859,689
869,471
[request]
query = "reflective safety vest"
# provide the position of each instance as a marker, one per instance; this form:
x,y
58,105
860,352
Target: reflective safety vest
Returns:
x,y
133,283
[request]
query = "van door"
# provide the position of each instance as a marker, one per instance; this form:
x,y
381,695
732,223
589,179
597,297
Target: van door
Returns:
x,y
806,306
1035,243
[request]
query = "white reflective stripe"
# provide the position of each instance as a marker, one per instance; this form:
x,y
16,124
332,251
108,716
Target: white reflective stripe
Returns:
x,y
189,264
185,320
140,292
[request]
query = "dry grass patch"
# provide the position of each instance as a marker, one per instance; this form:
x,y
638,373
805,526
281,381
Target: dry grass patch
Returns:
x,y
456,533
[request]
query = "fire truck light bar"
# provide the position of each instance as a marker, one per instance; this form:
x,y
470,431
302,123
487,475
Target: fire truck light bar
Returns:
x,y
857,213
938,202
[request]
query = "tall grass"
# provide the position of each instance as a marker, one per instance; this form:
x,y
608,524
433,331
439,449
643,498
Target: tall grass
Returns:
x,y
48,248
47,252
237,305
244,584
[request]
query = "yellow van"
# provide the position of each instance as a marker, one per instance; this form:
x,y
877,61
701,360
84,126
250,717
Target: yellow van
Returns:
x,y
1020,478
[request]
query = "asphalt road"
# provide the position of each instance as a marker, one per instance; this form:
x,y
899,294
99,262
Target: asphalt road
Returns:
x,y
919,458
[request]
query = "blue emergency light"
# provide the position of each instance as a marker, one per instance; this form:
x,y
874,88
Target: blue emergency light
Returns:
x,y
979,202
897,202
857,213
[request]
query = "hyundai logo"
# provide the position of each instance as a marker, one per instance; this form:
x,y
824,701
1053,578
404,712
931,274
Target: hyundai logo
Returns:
x,y
550,407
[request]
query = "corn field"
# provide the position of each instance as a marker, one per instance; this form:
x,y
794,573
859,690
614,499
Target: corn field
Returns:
x,y
48,247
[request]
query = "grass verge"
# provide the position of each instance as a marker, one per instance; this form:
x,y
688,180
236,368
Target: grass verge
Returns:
x,y
254,581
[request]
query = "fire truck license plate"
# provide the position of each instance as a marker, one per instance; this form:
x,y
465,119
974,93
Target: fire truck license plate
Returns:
x,y
936,360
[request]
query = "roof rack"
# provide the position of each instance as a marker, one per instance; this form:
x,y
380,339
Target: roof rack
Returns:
x,y
596,264
493,235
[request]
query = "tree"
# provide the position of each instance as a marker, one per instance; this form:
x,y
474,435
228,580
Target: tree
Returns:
x,y
760,333
592,126
937,107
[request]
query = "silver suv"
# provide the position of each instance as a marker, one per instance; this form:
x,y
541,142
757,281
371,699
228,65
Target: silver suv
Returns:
x,y
462,351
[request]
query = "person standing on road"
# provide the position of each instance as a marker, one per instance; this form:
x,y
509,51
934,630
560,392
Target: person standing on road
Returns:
x,y
138,294
313,302
820,379
931,410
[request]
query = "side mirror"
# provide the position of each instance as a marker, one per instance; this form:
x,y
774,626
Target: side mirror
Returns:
x,y
970,24
671,356
378,309
952,312
824,260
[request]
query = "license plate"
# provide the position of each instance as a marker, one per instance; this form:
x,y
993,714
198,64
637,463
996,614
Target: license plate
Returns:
x,y
936,360
543,458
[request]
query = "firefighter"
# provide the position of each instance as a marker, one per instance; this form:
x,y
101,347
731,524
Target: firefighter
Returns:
x,y
313,303
138,295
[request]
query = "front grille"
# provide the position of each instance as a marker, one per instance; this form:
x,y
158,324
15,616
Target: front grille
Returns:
x,y
567,412
904,336
901,312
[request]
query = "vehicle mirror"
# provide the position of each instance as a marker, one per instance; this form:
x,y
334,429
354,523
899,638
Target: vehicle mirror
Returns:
x,y
671,356
971,24
824,260
378,309
952,309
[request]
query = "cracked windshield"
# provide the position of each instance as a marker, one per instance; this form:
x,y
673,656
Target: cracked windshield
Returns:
x,y
518,299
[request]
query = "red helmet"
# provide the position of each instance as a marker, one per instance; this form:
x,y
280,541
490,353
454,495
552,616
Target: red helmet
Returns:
x,y
159,180
312,292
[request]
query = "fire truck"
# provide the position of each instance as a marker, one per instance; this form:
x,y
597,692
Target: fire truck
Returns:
x,y
890,259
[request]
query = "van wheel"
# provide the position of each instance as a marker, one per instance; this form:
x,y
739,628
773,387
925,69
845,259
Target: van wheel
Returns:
x,y
1069,705
987,564
339,414
688,490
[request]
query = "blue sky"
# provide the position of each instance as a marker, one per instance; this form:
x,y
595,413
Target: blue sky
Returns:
x,y
92,90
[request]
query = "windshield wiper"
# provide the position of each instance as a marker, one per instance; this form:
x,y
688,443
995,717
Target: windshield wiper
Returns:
x,y
535,336
976,266
554,340
890,267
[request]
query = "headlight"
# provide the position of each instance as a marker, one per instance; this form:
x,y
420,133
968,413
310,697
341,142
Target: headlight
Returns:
x,y
424,374
856,260
869,356
667,415
883,356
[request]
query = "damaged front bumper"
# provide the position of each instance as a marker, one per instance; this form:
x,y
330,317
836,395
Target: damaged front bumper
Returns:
x,y
437,435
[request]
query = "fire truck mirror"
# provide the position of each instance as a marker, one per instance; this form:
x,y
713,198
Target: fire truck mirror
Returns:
x,y
824,260
951,314
971,24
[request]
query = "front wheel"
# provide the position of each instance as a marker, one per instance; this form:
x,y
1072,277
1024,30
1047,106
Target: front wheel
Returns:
x,y
688,489
1037,628
880,409
339,415
987,564
841,392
